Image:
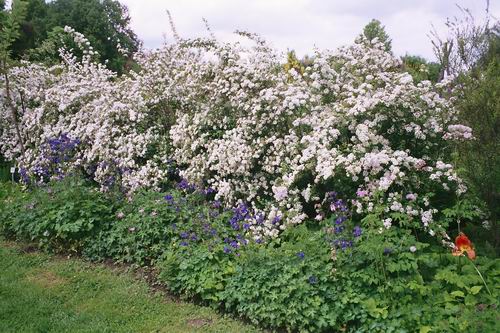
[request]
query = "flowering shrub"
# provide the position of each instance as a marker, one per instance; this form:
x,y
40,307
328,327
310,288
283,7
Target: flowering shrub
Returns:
x,y
86,102
258,133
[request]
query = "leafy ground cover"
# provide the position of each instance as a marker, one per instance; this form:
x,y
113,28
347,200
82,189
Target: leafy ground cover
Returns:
x,y
42,293
368,281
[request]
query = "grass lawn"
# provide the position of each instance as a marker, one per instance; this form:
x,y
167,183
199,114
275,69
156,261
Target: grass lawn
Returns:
x,y
42,293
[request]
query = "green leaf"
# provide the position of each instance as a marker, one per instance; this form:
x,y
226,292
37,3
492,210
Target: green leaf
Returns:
x,y
475,289
470,300
425,329
458,293
373,309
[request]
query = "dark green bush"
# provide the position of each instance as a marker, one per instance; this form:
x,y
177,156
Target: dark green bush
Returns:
x,y
288,286
197,271
479,159
145,226
140,233
60,217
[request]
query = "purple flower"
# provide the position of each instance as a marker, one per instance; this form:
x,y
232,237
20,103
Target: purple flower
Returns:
x,y
227,249
387,250
338,229
357,231
362,193
338,205
169,198
183,184
24,175
313,279
301,255
344,244
339,220
259,218
184,243
184,235
330,196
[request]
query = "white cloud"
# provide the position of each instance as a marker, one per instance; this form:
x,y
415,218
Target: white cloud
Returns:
x,y
301,24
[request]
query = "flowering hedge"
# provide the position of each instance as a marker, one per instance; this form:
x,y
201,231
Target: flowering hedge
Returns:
x,y
234,119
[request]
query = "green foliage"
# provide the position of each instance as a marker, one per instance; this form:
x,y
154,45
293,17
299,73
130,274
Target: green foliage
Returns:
x,y
387,280
375,29
140,232
420,69
277,287
145,227
199,271
425,288
479,107
5,174
60,218
33,27
47,52
10,28
105,23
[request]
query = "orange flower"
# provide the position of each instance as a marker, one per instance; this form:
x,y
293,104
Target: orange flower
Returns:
x,y
463,244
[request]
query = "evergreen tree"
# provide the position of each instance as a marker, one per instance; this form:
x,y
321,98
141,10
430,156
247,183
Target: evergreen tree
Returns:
x,y
375,29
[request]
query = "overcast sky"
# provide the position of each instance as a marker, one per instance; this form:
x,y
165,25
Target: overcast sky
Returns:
x,y
302,24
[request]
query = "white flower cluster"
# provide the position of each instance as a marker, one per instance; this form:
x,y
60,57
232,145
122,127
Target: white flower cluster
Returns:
x,y
87,102
236,119
458,132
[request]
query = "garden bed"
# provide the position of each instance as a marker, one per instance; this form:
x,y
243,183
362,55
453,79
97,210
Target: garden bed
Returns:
x,y
296,283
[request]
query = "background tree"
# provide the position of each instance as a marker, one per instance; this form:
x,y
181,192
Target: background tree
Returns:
x,y
104,22
421,69
375,29
471,54
479,106
33,28
293,62
465,43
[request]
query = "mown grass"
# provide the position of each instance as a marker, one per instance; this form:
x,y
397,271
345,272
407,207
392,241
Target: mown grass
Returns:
x,y
42,293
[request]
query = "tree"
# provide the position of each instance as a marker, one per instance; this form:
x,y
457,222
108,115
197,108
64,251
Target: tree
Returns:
x,y
104,22
470,53
33,28
375,29
464,45
479,106
293,63
420,69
